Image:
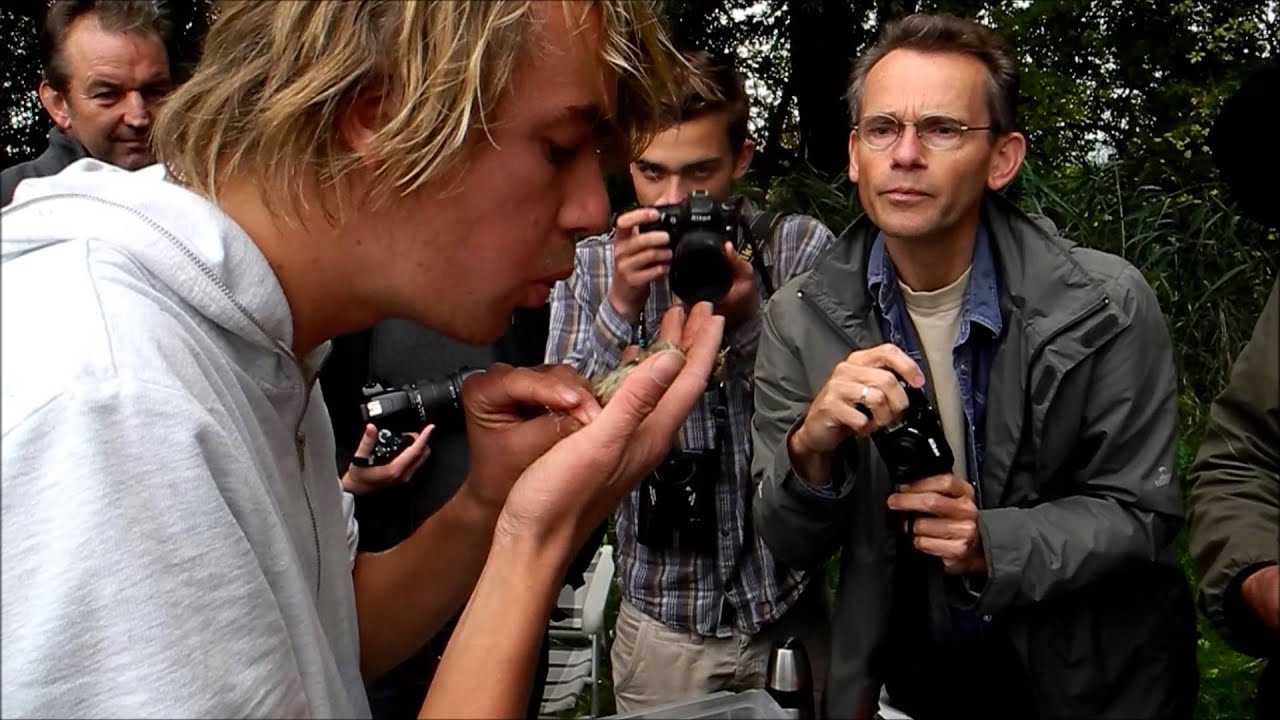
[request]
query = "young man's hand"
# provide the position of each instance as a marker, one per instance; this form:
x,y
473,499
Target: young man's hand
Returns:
x,y
513,416
575,485
742,301
638,260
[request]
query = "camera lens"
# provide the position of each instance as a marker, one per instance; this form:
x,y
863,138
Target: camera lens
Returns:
x,y
440,401
699,269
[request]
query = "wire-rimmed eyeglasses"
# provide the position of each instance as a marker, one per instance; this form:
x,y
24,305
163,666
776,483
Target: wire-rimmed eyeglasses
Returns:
x,y
936,132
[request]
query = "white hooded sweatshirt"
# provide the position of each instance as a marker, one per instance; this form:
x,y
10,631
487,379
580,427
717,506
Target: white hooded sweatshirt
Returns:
x,y
175,540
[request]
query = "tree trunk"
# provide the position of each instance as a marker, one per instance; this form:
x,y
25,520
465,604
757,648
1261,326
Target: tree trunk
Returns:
x,y
822,47
769,160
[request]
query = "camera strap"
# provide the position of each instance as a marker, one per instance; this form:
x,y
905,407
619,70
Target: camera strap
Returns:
x,y
760,235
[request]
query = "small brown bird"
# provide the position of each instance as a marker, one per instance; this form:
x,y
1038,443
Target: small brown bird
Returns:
x,y
606,385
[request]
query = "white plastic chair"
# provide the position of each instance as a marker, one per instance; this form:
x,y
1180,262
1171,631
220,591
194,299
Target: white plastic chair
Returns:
x,y
887,711
572,668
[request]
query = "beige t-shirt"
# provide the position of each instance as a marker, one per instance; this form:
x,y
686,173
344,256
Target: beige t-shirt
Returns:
x,y
936,317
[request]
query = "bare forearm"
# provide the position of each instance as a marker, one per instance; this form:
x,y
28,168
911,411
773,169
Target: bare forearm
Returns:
x,y
404,595
487,668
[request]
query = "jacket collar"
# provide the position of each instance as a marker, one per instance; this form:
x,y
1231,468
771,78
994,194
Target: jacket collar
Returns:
x,y
65,147
1042,286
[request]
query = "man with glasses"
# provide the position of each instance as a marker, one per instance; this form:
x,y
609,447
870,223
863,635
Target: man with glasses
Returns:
x,y
1030,573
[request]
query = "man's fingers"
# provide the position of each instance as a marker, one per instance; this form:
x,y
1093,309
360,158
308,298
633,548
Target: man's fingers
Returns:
x,y
637,397
875,400
931,503
947,484
367,441
692,326
883,387
672,327
588,408
702,336
850,417
740,266
413,456
645,258
662,390
937,547
525,386
645,243
890,357
644,277
943,528
631,219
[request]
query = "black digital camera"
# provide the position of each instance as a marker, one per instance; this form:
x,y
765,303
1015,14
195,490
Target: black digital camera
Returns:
x,y
915,446
699,227
389,446
677,503
409,408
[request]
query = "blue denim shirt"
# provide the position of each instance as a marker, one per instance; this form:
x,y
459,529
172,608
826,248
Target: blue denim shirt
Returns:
x,y
980,325
972,354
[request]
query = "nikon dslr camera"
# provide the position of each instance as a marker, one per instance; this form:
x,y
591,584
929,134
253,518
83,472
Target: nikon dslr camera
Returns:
x,y
699,227
677,505
410,408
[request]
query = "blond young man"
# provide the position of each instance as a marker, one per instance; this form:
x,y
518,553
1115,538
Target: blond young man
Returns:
x,y
176,542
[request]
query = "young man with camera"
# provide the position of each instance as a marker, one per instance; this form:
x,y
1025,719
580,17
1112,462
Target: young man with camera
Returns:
x,y
1034,574
702,598
176,542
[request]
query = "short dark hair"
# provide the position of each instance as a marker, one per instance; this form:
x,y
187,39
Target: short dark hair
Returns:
x,y
713,85
123,16
945,33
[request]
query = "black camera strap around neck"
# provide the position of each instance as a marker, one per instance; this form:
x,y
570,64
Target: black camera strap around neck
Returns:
x,y
762,226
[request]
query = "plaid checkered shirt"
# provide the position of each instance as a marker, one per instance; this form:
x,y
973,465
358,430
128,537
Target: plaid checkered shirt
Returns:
x,y
741,583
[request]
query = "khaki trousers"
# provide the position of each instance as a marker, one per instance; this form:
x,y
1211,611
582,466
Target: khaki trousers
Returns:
x,y
654,664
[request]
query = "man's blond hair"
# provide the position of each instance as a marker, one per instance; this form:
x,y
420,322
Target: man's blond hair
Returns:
x,y
274,78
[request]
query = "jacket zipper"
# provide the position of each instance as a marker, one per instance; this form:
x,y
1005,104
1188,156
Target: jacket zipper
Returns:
x,y
300,443
1079,318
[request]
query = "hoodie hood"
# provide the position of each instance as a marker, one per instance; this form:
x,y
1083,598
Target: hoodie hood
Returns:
x,y
184,240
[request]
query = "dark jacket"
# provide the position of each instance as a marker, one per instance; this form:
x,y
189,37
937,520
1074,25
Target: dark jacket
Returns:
x,y
62,151
1235,495
1079,505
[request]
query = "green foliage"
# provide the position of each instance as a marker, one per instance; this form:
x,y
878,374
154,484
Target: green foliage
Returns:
x,y
1210,269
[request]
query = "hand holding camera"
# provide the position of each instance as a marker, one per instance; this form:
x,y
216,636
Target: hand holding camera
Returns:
x,y
862,395
943,521
385,458
691,242
741,302
640,256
